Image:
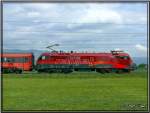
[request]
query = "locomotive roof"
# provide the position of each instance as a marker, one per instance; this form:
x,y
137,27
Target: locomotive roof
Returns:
x,y
83,54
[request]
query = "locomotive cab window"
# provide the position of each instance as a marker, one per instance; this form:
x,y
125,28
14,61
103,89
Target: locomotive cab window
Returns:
x,y
122,57
126,57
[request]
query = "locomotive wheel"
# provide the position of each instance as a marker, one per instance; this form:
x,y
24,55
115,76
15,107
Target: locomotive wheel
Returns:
x,y
97,70
75,69
92,69
119,71
100,71
50,71
126,70
18,71
40,71
5,70
103,71
10,70
108,70
66,71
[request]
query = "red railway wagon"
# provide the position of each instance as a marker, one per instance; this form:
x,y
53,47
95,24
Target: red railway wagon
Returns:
x,y
15,62
100,62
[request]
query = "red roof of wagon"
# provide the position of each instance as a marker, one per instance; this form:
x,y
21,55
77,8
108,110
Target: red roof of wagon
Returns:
x,y
16,54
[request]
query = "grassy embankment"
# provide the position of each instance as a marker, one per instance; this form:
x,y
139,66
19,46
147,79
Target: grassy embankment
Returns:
x,y
75,91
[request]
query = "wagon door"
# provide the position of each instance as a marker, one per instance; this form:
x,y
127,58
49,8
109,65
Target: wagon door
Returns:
x,y
22,62
28,63
91,60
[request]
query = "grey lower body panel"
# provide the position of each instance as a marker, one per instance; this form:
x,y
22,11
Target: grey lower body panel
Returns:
x,y
103,66
72,66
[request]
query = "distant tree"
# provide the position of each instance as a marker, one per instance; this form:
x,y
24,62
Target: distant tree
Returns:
x,y
142,66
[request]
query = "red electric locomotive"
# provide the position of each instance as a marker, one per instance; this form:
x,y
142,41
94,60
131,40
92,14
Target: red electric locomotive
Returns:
x,y
117,61
17,62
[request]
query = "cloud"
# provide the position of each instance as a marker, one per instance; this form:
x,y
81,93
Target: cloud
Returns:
x,y
118,49
106,15
141,48
75,26
33,14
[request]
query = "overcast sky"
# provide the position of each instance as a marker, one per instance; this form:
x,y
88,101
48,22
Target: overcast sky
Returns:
x,y
76,26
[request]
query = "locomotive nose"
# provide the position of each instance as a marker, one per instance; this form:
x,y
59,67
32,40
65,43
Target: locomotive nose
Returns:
x,y
133,66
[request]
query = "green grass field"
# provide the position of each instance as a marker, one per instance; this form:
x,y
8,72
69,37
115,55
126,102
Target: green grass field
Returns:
x,y
75,91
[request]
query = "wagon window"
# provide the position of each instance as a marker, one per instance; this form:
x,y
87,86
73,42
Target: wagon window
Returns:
x,y
26,59
16,60
9,60
4,59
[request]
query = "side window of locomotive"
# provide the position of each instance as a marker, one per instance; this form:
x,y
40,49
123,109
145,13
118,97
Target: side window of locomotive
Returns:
x,y
43,58
122,57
